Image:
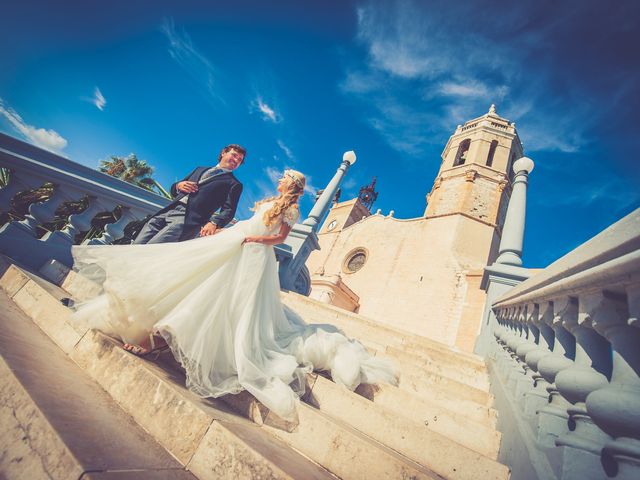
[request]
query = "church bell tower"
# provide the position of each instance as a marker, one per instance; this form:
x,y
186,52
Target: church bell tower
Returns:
x,y
476,171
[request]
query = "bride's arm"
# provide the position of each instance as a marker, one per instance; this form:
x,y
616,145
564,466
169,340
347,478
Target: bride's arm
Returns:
x,y
271,239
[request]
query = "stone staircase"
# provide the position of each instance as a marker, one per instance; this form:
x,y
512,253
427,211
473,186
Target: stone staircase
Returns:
x,y
438,423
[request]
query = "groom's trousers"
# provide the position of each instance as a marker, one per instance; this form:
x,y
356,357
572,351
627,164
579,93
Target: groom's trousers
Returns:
x,y
163,228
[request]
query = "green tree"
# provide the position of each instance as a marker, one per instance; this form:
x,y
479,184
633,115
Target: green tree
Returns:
x,y
133,170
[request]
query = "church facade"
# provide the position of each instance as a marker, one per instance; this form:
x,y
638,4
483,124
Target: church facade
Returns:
x,y
423,274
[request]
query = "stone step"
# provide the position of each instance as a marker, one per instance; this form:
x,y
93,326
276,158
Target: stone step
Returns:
x,y
410,449
444,368
455,367
440,453
385,334
477,432
190,428
207,437
160,395
412,374
58,423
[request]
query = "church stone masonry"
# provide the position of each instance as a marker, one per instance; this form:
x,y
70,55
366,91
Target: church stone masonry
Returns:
x,y
423,274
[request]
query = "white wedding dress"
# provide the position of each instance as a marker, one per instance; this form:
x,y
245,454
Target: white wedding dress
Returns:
x,y
216,301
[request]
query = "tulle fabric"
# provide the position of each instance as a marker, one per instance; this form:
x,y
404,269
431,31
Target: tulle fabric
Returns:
x,y
217,304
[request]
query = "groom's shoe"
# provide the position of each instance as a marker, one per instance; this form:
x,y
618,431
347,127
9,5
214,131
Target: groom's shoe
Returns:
x,y
67,302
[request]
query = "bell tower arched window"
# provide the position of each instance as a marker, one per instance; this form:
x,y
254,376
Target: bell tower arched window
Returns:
x,y
492,152
461,154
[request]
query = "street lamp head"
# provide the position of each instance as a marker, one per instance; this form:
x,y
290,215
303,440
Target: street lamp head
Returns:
x,y
349,157
524,163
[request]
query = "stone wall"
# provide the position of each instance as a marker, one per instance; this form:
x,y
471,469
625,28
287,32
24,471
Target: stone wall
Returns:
x,y
417,275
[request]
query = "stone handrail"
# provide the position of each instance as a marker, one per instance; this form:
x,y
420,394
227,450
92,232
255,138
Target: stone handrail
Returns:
x,y
568,343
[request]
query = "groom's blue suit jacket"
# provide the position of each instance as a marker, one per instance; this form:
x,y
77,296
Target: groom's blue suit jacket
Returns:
x,y
220,192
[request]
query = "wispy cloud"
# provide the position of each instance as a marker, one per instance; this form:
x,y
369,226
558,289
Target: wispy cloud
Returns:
x,y
98,99
429,66
268,112
287,151
200,70
45,138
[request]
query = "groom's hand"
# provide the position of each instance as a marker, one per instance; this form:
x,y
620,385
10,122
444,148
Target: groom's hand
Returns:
x,y
209,229
187,187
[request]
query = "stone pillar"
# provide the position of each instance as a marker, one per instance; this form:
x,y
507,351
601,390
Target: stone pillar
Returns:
x,y
303,238
615,408
510,252
324,203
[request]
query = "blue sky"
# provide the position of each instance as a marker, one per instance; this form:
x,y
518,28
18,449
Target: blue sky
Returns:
x,y
298,83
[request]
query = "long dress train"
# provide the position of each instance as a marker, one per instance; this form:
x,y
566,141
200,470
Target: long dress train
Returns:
x,y
216,301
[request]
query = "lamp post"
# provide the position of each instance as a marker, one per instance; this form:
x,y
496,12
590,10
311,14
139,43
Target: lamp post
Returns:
x,y
323,204
510,252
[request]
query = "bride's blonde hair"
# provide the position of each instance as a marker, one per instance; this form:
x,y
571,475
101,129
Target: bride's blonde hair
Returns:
x,y
283,201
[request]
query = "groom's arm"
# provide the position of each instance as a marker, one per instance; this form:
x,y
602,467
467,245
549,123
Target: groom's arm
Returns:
x,y
174,190
228,208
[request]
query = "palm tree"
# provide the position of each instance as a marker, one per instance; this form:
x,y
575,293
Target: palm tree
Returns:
x,y
4,177
134,171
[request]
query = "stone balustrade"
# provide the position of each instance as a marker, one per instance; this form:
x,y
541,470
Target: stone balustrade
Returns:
x,y
31,167
567,354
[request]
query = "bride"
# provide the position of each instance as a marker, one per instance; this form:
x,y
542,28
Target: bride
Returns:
x,y
215,302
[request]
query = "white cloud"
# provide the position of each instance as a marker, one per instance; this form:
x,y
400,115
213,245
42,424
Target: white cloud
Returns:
x,y
268,113
98,99
193,62
47,139
273,174
425,71
287,151
474,89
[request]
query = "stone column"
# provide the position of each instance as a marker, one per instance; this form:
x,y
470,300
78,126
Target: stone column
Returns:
x,y
615,408
510,252
323,204
303,238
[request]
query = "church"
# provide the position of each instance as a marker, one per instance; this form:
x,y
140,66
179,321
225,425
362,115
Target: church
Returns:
x,y
423,275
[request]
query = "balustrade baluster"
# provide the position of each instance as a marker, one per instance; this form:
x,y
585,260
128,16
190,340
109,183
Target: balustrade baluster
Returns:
x,y
526,382
552,419
538,397
77,223
42,212
113,231
584,441
17,183
615,408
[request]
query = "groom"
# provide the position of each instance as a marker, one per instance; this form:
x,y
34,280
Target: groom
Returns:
x,y
196,198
